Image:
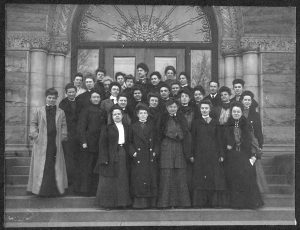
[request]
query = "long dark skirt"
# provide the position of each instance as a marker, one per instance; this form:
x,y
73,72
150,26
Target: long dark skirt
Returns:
x,y
261,178
113,192
173,188
144,202
241,180
210,198
88,179
48,186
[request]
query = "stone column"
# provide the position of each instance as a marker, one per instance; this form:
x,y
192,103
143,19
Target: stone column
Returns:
x,y
229,70
238,66
38,80
50,70
221,71
250,70
68,69
59,75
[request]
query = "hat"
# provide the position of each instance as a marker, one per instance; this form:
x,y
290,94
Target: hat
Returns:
x,y
186,91
107,78
141,106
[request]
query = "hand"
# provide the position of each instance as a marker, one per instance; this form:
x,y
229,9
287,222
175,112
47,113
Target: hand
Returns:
x,y
229,147
106,163
154,154
192,159
134,155
221,159
252,160
84,145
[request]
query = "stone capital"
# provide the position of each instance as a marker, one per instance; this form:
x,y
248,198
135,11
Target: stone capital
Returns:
x,y
27,40
59,46
229,47
270,44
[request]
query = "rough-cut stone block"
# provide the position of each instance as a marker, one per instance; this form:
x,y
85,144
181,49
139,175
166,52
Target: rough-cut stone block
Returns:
x,y
15,94
15,134
16,78
278,63
279,134
279,117
16,61
278,80
269,20
279,98
15,115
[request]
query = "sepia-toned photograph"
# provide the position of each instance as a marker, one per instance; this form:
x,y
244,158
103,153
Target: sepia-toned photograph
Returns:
x,y
149,115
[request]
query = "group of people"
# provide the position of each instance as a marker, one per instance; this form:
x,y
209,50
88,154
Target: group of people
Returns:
x,y
148,143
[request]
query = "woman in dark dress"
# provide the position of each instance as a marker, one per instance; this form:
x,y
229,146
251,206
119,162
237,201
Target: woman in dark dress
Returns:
x,y
253,119
143,151
91,119
155,79
175,144
209,187
239,163
154,107
112,164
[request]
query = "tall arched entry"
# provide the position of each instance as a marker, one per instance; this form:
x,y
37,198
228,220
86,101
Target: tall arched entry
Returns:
x,y
119,37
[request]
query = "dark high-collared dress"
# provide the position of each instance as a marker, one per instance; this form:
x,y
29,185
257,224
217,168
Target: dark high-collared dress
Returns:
x,y
142,141
175,144
113,169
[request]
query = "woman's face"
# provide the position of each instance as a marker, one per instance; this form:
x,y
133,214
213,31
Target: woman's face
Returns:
x,y
182,79
120,79
114,91
198,96
205,109
117,115
247,101
153,102
164,92
225,97
122,102
184,99
154,80
170,74
172,109
95,98
236,112
137,95
142,115
175,89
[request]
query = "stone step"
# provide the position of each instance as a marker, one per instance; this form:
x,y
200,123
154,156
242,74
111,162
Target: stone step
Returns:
x,y
281,189
97,217
15,190
17,170
277,179
33,202
16,179
17,161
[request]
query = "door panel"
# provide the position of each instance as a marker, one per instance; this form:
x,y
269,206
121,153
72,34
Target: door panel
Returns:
x,y
156,59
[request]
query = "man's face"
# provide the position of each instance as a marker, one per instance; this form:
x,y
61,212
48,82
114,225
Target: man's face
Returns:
x,y
170,74
164,92
106,85
100,76
129,83
238,89
205,109
120,80
71,93
89,83
175,89
51,99
78,81
115,91
137,95
122,102
141,72
225,97
213,87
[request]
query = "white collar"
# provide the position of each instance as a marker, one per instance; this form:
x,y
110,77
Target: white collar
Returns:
x,y
204,117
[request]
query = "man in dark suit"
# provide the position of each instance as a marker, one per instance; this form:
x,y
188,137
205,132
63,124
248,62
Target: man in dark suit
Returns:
x,y
143,81
100,73
71,145
213,96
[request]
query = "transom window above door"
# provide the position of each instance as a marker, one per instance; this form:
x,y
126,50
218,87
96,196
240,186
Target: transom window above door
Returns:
x,y
144,23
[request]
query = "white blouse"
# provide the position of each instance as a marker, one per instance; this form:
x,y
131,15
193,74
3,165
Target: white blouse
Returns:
x,y
121,133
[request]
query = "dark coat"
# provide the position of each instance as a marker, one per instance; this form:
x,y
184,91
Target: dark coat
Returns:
x,y
208,173
108,149
229,139
216,101
255,123
190,113
144,166
186,142
90,122
145,87
154,114
155,88
71,116
99,87
106,105
82,101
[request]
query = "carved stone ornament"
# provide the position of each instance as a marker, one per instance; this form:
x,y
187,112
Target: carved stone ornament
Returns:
x,y
229,47
59,46
26,40
228,17
274,44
